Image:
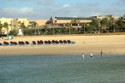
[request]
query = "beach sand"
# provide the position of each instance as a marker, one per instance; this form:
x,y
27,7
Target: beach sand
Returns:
x,y
109,44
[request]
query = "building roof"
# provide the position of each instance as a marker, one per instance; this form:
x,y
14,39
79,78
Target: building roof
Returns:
x,y
39,22
69,21
53,26
62,21
71,18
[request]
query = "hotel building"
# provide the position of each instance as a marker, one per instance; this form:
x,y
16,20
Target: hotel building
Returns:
x,y
62,22
13,24
75,22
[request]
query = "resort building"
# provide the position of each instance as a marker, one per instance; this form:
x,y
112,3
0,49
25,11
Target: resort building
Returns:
x,y
8,21
76,22
37,22
57,22
15,24
107,16
12,24
24,21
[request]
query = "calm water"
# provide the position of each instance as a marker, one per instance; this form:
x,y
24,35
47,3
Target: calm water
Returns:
x,y
62,69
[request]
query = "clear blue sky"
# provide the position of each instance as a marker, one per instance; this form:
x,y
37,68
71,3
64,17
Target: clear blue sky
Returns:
x,y
44,9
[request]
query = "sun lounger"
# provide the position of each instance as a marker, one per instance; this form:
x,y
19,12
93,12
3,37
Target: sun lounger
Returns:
x,y
13,43
68,41
53,41
40,42
21,43
27,43
33,43
49,42
45,42
1,44
65,42
60,41
5,43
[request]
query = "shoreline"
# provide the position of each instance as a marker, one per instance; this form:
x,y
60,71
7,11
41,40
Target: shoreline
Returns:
x,y
109,44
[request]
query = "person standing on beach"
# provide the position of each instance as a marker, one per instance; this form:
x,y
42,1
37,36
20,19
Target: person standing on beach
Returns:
x,y
91,54
101,53
83,56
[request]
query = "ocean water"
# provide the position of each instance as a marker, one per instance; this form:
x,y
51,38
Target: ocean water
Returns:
x,y
62,69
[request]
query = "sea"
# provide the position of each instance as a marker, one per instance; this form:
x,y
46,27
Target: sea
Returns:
x,y
62,68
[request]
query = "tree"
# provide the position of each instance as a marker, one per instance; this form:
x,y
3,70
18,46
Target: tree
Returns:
x,y
104,24
1,27
13,32
90,29
34,24
99,25
50,21
6,26
112,22
46,29
120,24
22,26
74,22
96,23
68,25
84,28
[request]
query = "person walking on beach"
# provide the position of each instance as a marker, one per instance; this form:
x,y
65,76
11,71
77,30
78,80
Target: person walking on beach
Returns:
x,y
83,56
91,54
101,53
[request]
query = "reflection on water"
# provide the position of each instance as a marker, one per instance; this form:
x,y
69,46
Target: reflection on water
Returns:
x,y
62,69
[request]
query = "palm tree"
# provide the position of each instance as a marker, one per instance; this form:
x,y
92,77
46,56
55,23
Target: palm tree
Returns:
x,y
99,25
46,29
34,26
1,27
75,22
22,26
84,27
96,23
6,26
50,21
104,24
120,23
111,22
68,25
51,24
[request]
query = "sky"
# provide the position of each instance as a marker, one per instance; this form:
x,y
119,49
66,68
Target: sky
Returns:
x,y
44,9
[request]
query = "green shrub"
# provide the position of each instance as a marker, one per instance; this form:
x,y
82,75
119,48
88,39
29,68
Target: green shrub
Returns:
x,y
14,32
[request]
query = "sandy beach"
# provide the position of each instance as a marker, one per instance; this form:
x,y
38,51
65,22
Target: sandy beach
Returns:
x,y
109,44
